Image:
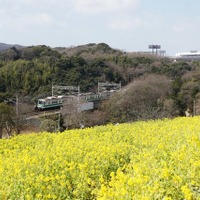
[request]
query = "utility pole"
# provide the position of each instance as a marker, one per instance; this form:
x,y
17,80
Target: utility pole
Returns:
x,y
78,98
120,85
52,90
98,88
17,105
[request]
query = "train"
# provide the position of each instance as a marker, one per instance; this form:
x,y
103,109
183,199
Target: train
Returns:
x,y
50,103
54,102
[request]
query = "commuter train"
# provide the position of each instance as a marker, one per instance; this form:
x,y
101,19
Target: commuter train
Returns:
x,y
54,102
49,103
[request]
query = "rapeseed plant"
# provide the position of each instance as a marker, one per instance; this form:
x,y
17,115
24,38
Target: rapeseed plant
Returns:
x,y
141,160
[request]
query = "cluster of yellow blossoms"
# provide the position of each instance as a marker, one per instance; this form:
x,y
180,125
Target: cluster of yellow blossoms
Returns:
x,y
141,160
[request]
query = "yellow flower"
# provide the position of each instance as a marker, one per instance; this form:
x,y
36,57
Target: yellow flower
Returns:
x,y
39,195
187,193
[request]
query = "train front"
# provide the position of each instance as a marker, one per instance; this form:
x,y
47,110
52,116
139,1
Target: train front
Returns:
x,y
40,104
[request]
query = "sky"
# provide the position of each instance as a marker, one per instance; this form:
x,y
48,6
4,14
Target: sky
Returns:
x,y
128,25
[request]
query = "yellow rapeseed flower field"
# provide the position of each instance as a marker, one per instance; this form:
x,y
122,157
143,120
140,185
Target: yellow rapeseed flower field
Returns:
x,y
137,161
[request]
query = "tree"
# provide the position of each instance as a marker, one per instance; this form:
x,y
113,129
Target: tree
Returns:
x,y
7,121
141,100
69,111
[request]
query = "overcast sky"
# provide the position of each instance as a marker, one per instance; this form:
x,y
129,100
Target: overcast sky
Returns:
x,y
129,25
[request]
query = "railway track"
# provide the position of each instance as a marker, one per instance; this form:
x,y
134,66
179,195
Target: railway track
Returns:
x,y
36,114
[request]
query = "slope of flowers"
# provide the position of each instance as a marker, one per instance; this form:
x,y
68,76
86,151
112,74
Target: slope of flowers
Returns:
x,y
143,160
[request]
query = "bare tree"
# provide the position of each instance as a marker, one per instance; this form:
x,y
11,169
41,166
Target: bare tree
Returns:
x,y
23,108
7,119
93,118
70,113
142,99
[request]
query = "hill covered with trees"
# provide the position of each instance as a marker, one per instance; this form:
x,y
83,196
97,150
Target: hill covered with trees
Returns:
x,y
31,71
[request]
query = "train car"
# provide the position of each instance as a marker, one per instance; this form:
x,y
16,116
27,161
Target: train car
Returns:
x,y
50,103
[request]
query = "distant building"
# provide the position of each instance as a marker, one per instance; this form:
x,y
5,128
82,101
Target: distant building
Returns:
x,y
188,56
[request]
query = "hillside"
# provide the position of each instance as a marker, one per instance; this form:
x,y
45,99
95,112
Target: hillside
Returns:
x,y
33,68
30,72
91,48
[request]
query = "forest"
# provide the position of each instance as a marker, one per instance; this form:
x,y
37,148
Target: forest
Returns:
x,y
153,86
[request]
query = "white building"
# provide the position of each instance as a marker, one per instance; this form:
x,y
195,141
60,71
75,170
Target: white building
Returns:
x,y
192,55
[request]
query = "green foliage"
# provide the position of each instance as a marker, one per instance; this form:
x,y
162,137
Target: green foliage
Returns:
x,y
133,62
42,52
175,69
102,47
10,54
24,76
184,91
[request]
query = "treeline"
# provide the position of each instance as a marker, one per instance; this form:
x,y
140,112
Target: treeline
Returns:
x,y
31,71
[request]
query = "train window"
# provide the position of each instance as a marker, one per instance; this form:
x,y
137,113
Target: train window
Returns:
x,y
41,102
